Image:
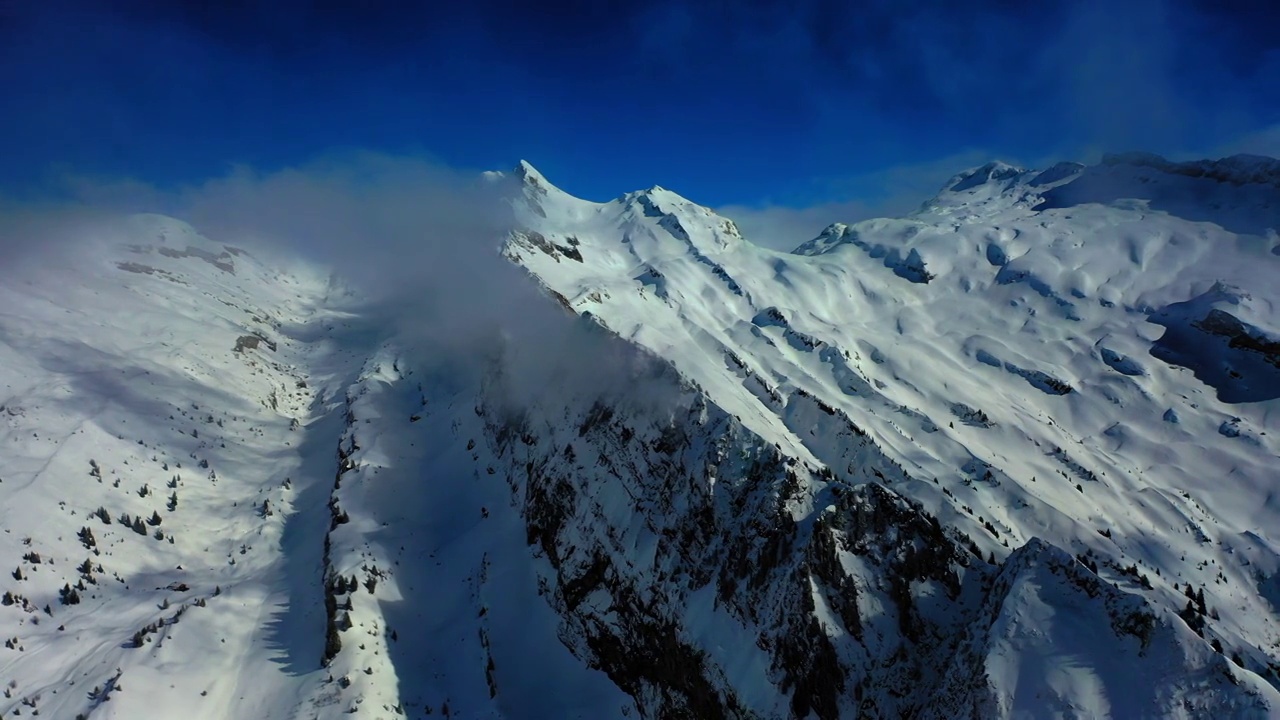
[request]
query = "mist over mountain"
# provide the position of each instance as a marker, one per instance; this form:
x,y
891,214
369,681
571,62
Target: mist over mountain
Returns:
x,y
374,438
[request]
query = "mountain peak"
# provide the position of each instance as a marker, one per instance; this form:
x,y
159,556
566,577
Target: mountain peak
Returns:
x,y
992,171
529,174
537,195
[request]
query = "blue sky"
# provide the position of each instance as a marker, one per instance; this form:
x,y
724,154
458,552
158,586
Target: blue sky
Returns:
x,y
794,103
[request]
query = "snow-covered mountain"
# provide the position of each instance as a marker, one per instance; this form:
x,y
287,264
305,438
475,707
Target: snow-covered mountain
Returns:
x,y
1011,456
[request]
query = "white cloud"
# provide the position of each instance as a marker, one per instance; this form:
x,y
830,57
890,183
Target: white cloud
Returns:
x,y
418,239
888,192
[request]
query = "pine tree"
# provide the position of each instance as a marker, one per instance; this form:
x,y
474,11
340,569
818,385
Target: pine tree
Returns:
x,y
155,519
332,644
69,595
1191,618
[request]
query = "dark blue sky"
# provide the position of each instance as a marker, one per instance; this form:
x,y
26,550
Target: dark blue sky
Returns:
x,y
792,102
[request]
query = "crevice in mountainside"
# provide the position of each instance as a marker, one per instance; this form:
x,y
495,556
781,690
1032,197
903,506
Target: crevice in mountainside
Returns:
x,y
534,240
1055,608
298,631
222,260
360,677
1239,361
910,266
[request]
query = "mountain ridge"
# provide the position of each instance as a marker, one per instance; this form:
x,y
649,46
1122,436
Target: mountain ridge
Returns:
x,y
730,309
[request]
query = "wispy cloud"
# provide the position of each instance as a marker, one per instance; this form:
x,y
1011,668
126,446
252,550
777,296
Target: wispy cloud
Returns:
x,y
890,192
418,240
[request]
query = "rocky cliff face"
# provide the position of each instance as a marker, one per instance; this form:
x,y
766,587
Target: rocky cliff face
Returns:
x,y
882,562
709,575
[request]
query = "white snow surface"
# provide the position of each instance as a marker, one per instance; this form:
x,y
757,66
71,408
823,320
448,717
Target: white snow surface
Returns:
x,y
1029,356
1005,285
125,359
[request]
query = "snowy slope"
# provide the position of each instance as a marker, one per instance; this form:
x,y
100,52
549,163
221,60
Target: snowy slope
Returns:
x,y
221,399
1038,352
123,389
1011,456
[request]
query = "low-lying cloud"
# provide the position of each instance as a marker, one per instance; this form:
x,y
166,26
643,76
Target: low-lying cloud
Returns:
x,y
418,241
